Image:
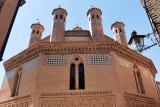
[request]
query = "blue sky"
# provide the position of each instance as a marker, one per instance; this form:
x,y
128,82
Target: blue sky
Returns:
x,y
130,12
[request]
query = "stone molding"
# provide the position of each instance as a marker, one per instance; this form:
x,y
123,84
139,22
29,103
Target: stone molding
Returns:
x,y
18,101
79,47
79,93
78,99
134,100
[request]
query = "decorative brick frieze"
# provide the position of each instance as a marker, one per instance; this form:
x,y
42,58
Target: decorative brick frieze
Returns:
x,y
133,100
78,99
17,102
80,47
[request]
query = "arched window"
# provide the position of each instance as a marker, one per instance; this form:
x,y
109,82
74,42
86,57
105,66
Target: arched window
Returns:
x,y
81,76
37,32
61,16
56,16
138,80
72,77
16,85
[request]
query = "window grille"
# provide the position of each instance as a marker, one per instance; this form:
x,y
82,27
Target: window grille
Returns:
x,y
101,59
55,60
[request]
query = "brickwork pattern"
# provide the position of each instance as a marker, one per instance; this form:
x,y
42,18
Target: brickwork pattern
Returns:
x,y
78,99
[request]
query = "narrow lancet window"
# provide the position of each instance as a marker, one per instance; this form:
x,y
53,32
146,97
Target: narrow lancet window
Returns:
x,y
72,77
81,76
135,76
138,80
16,85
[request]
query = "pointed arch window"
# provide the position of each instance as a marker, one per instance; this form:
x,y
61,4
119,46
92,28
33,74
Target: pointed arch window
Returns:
x,y
77,77
138,80
81,76
16,84
72,77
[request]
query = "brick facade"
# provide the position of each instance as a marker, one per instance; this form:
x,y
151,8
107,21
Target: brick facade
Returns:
x,y
103,73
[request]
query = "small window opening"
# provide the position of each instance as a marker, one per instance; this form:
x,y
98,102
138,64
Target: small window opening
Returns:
x,y
61,16
64,19
92,16
97,17
116,30
76,59
33,31
56,16
37,32
120,30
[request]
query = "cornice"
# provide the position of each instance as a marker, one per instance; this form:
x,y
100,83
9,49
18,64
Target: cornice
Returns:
x,y
81,47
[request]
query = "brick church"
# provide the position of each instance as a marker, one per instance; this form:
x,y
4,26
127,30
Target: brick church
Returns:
x,y
79,68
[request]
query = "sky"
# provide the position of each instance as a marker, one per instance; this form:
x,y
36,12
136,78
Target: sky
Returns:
x,y
130,12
